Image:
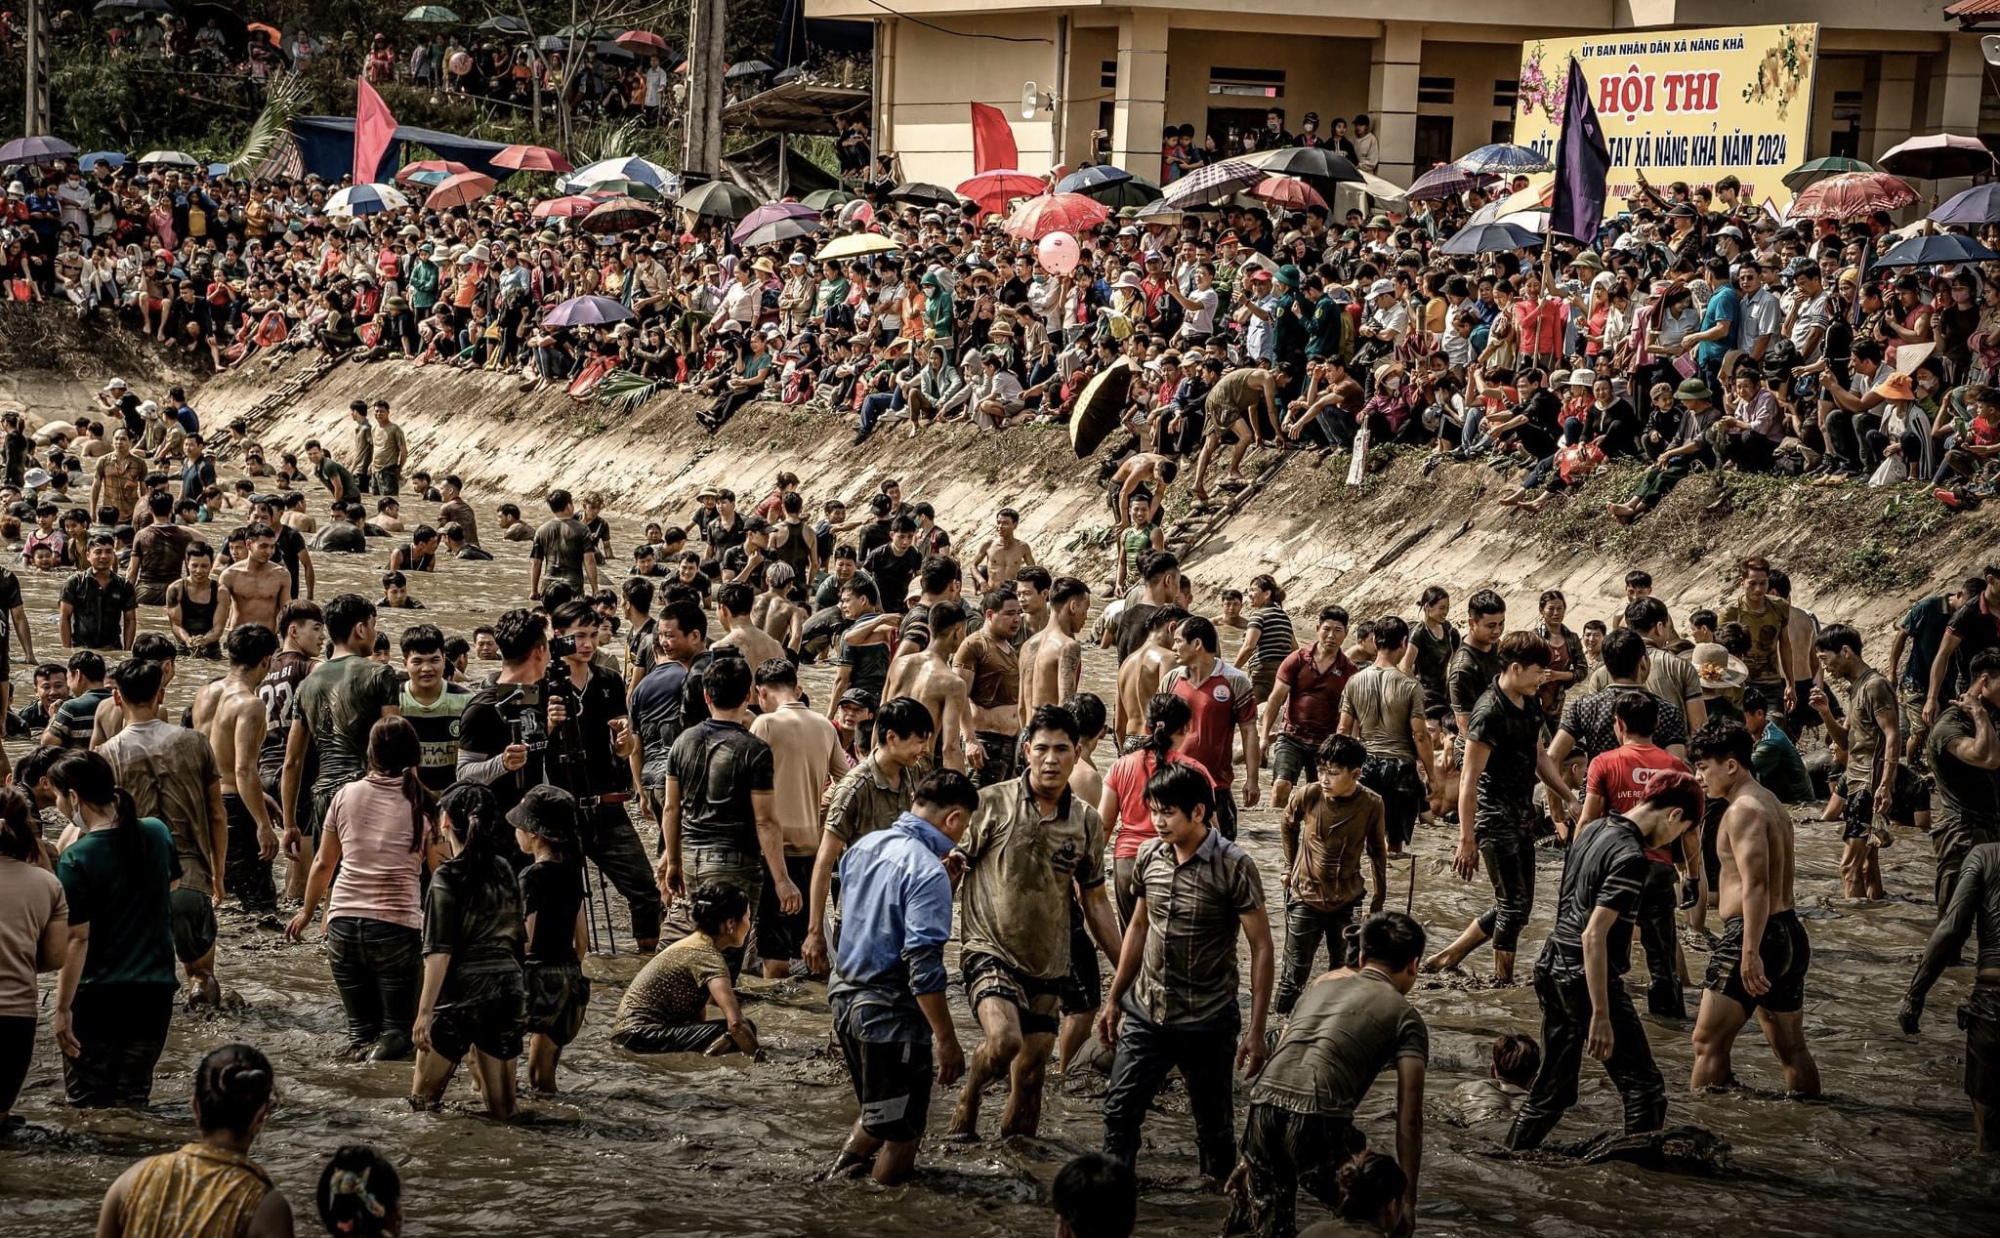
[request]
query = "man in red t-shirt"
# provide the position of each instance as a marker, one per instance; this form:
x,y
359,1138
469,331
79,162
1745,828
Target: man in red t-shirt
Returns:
x,y
1224,705
1619,780
1304,706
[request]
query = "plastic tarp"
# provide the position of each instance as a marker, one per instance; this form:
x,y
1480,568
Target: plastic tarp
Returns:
x,y
326,146
755,168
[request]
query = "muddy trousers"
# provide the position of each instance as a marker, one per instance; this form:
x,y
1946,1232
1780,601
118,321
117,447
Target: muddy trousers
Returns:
x,y
1285,1153
1951,843
379,969
1657,904
1565,1029
612,843
1305,926
1510,865
1147,1052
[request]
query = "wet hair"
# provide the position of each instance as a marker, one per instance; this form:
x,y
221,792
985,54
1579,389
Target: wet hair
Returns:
x,y
1051,718
686,616
346,612
1733,637
946,789
298,612
1392,632
944,617
1516,1059
20,826
1484,603
1835,637
1720,739
476,821
154,647
1096,1196
1181,787
1624,650
358,1192
864,589
713,904
937,574
1065,589
1644,614
1677,788
1201,632
726,682
1639,711
777,673
519,632
1985,662
1703,618
1755,702
1270,585
137,680
1638,580
422,638
1369,1182
1088,710
1432,596
905,717
1392,939
1342,752
1524,648
395,751
230,1086
736,597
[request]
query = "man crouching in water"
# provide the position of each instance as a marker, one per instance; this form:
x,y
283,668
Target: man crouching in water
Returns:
x,y
1760,963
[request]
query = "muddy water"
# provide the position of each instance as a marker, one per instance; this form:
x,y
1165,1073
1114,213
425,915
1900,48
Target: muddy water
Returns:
x,y
693,1146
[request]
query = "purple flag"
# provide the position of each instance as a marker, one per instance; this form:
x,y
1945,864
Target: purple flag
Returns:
x,y
1582,164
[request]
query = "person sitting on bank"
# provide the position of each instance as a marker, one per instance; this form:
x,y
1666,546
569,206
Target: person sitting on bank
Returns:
x,y
663,1010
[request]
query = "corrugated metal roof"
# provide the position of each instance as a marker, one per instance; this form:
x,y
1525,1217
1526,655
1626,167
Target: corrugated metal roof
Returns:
x,y
1973,8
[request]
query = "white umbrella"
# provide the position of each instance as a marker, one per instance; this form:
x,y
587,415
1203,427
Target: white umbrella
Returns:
x,y
370,199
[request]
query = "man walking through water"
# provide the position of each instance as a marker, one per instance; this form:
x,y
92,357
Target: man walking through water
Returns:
x,y
1579,975
1759,964
1029,844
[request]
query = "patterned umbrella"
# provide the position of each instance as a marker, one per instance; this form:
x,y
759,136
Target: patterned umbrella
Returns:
x,y
1813,170
619,215
461,190
36,150
1503,159
532,159
772,212
1444,181
1212,183
436,14
630,168
1286,192
1938,156
1850,195
368,199
1057,212
1923,251
410,171
1977,205
1001,183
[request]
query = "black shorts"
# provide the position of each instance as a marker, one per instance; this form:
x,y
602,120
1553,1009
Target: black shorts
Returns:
x,y
191,914
1293,761
1910,796
782,937
892,1080
1083,988
1038,1001
557,995
1786,954
1001,764
1980,1017
490,1014
1401,786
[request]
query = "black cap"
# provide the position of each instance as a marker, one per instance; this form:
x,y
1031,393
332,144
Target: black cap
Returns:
x,y
859,696
548,812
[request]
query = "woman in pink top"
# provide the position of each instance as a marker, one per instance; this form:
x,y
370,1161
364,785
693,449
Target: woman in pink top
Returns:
x,y
1127,819
379,834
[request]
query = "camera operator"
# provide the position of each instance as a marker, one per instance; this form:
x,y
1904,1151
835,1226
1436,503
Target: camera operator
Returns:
x,y
549,716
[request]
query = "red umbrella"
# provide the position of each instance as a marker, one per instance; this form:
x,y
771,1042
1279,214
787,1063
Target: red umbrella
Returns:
x,y
1001,184
446,166
642,42
1850,195
565,208
620,215
532,159
1056,212
1284,191
461,190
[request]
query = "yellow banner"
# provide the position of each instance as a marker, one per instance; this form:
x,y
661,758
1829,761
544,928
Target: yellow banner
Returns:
x,y
1683,105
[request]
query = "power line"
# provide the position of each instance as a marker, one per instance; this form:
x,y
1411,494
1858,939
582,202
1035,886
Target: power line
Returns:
x,y
962,34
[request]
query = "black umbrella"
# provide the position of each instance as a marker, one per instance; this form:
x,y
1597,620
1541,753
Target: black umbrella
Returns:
x,y
504,25
749,68
930,195
1314,162
1097,409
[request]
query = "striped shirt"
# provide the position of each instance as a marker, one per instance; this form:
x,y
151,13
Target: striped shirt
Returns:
x,y
1275,640
1188,974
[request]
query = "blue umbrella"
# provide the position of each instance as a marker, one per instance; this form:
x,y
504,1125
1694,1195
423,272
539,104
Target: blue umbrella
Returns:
x,y
218,171
1977,205
586,312
1923,251
109,158
1489,239
1097,176
1502,159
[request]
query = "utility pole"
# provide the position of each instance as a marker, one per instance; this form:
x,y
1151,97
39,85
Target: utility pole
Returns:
x,y
36,120
708,27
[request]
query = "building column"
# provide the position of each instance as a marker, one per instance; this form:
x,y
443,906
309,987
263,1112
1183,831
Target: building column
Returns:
x,y
1139,104
1393,67
1888,113
1959,86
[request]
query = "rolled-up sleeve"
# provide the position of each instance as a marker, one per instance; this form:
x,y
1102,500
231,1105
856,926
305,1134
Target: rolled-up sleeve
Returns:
x,y
926,927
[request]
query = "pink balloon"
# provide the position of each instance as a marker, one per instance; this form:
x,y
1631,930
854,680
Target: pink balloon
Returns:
x,y
1058,253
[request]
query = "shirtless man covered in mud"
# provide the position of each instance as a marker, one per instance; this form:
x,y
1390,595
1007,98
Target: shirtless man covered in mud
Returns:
x,y
929,677
1002,556
1759,965
257,588
1139,675
1052,659
231,714
990,665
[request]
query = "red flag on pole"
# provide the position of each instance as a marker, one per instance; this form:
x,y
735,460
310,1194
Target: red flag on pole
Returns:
x,y
374,129
992,140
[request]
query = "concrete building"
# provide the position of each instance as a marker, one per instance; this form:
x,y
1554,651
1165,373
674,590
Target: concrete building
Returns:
x,y
1437,77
